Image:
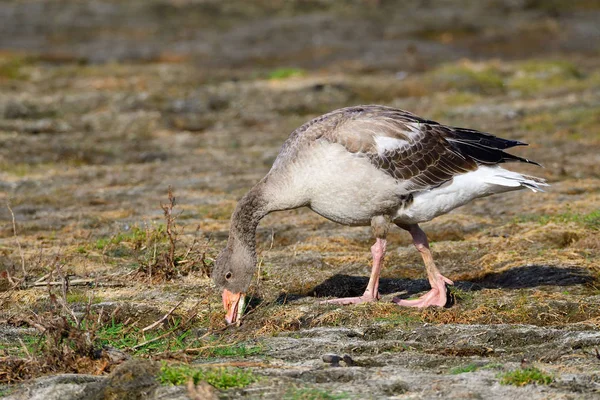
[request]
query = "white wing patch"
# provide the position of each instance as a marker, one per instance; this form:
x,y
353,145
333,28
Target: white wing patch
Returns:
x,y
387,144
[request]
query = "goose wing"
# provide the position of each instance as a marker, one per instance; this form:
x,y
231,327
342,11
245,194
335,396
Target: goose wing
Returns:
x,y
421,153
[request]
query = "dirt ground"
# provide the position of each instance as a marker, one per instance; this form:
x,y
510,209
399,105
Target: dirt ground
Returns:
x,y
104,105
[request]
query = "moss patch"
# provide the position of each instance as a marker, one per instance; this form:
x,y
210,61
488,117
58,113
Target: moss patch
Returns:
x,y
220,378
526,376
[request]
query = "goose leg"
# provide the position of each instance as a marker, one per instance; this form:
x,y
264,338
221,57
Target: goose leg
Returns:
x,y
380,227
437,296
372,291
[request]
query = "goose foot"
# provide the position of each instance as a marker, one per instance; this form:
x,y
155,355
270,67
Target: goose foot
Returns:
x,y
437,296
367,297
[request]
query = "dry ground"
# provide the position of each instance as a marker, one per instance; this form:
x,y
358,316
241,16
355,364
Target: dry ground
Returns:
x,y
89,151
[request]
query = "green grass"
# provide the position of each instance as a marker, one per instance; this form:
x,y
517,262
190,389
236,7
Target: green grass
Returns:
x,y
283,73
590,220
401,319
116,335
469,78
135,241
493,366
312,394
220,378
459,98
526,376
136,236
464,369
80,296
463,296
534,75
221,211
119,336
578,122
11,68
16,349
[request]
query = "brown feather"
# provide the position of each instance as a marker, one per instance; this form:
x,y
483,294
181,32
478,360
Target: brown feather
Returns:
x,y
431,155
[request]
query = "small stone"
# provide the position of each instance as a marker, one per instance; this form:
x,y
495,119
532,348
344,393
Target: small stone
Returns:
x,y
332,359
348,360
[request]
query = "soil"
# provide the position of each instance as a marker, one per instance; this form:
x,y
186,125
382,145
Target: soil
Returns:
x,y
104,105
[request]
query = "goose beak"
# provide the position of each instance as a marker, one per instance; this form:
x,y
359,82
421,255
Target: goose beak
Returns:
x,y
234,305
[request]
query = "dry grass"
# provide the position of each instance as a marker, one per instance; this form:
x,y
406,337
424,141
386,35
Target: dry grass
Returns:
x,y
167,260
66,340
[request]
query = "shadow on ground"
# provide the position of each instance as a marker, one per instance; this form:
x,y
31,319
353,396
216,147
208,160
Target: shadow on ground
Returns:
x,y
517,278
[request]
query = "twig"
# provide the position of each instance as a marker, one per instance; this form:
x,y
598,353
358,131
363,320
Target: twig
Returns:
x,y
168,210
164,317
42,278
74,282
62,299
175,329
200,349
37,326
246,364
25,348
137,346
14,225
10,279
242,364
187,253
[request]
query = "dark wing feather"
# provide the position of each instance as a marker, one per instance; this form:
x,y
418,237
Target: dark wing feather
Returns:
x,y
428,161
483,147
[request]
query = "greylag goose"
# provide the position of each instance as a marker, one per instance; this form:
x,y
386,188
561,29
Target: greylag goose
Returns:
x,y
370,165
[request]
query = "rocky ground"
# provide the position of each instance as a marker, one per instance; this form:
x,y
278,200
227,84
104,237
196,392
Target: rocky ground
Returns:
x,y
104,105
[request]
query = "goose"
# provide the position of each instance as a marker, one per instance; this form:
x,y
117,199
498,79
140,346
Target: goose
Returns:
x,y
374,166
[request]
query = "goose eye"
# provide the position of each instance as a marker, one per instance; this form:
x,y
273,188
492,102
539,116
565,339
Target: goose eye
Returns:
x,y
228,275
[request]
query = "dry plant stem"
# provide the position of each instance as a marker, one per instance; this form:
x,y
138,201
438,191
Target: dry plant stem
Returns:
x,y
42,279
183,325
195,350
137,346
168,210
246,364
187,253
14,226
25,348
10,279
250,364
163,318
76,282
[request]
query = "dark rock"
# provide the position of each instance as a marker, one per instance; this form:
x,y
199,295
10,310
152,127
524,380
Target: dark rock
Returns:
x,y
332,359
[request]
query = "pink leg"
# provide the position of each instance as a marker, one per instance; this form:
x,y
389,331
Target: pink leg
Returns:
x,y
372,291
437,296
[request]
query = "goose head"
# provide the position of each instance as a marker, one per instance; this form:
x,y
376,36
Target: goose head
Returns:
x,y
233,271
235,265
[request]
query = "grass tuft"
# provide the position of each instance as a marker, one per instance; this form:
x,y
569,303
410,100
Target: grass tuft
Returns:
x,y
464,369
590,220
312,394
220,378
286,72
525,376
469,77
12,68
163,259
